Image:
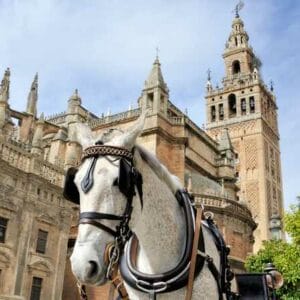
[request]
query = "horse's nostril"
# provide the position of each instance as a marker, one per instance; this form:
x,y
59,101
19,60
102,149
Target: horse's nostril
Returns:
x,y
93,269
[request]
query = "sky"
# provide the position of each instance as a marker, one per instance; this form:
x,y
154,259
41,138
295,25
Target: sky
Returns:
x,y
106,48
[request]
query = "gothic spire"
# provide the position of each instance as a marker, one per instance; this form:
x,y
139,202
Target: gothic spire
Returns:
x,y
33,97
74,101
4,87
225,141
155,78
75,98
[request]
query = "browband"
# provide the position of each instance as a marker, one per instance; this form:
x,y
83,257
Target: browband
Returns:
x,y
98,150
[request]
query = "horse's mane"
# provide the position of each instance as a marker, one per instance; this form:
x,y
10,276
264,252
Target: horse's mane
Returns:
x,y
159,169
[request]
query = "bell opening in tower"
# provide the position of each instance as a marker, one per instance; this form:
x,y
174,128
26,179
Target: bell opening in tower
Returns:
x,y
213,113
236,68
252,104
232,105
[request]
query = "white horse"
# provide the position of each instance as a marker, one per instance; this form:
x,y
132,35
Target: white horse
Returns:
x,y
159,225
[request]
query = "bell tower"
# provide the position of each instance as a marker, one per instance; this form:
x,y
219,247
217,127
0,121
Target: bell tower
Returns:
x,y
247,108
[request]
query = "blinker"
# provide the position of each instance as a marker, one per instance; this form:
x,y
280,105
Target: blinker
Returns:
x,y
128,178
70,191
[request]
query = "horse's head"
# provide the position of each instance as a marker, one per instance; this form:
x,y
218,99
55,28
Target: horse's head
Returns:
x,y
102,193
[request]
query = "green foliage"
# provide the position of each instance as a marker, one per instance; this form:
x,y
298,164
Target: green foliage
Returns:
x,y
285,256
292,223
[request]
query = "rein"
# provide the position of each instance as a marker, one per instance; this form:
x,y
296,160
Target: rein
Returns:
x,y
119,252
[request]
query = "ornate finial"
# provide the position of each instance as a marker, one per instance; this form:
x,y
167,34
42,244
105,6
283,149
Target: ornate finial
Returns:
x,y
33,97
186,111
4,87
208,74
157,52
75,96
271,85
238,8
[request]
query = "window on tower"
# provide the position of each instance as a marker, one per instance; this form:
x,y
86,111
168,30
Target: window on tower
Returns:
x,y
236,68
236,41
252,104
232,105
150,98
243,106
221,112
213,113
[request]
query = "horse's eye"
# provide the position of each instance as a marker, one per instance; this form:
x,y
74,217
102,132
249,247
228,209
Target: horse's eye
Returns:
x,y
116,182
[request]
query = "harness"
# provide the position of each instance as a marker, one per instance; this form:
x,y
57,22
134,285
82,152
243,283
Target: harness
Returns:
x,y
122,251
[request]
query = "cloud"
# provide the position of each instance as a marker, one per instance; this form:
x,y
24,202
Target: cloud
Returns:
x,y
106,48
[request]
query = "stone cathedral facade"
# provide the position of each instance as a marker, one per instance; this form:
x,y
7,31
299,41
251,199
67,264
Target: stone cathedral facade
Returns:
x,y
233,168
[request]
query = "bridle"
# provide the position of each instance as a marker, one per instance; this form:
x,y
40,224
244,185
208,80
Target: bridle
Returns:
x,y
128,179
119,252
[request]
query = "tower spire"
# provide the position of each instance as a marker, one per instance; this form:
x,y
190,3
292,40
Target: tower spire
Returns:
x,y
155,94
155,78
238,37
208,83
4,87
33,97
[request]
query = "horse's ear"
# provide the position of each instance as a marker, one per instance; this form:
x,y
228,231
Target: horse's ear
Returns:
x,y
128,139
84,135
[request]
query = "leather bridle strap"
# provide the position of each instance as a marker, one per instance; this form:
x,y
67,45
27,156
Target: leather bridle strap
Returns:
x,y
98,225
190,285
91,217
118,284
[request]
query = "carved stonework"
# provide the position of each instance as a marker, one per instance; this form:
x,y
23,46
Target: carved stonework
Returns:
x,y
40,264
5,257
252,192
251,153
269,199
47,219
266,150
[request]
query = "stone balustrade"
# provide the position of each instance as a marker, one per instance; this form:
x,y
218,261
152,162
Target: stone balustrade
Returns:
x,y
57,118
18,156
222,202
116,117
177,120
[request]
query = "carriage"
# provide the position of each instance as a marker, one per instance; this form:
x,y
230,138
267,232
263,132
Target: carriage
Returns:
x,y
136,217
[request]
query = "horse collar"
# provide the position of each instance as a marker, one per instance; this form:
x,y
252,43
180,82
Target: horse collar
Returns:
x,y
172,279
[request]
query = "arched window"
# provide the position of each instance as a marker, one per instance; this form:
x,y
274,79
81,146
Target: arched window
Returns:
x,y
213,113
243,106
232,105
236,68
252,104
221,112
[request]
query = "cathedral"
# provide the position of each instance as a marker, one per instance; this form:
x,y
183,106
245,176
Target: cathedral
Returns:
x,y
232,168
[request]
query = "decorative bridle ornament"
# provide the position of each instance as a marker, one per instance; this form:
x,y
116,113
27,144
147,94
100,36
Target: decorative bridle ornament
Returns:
x,y
121,253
